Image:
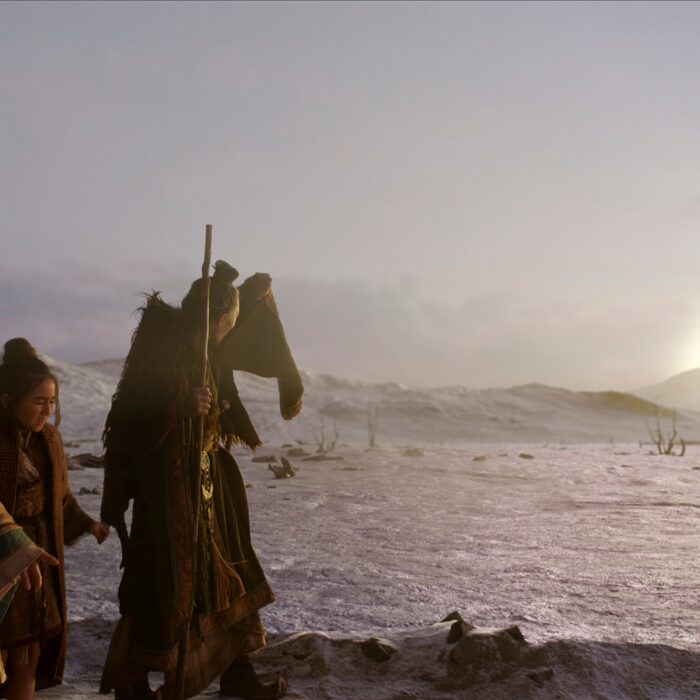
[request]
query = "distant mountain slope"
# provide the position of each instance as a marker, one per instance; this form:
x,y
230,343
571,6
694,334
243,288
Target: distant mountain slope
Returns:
x,y
681,391
85,396
529,413
406,416
112,367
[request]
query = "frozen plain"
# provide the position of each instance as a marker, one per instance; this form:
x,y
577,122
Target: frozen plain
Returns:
x,y
590,549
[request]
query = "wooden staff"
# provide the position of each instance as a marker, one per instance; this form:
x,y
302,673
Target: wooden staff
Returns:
x,y
202,377
196,464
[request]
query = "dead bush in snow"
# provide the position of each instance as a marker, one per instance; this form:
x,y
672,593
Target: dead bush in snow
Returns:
x,y
666,444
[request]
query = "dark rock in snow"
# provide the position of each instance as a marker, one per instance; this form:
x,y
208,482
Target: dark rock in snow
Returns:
x,y
286,471
489,648
454,615
297,452
414,452
287,466
540,676
458,630
86,460
324,458
377,650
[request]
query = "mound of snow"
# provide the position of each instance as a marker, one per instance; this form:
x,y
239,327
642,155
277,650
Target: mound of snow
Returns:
x,y
484,664
432,662
85,397
450,415
681,391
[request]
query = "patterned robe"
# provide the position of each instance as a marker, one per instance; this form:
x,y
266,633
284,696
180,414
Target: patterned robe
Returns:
x,y
17,552
48,512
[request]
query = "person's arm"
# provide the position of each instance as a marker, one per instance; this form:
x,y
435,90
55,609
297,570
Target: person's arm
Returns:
x,y
19,556
76,522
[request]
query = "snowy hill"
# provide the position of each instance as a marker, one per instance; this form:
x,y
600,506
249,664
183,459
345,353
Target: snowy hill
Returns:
x,y
406,415
85,396
681,391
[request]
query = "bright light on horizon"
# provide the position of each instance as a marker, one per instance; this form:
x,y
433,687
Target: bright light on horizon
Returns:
x,y
445,193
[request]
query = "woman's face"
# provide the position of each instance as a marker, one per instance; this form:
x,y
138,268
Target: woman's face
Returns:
x,y
33,411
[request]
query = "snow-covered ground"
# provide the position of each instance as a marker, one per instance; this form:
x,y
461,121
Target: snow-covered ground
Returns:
x,y
590,549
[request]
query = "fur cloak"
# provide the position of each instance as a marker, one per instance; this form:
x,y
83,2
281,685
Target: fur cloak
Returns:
x,y
149,456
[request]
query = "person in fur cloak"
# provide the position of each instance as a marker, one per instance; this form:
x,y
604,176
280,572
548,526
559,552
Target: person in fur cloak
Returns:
x,y
149,443
34,491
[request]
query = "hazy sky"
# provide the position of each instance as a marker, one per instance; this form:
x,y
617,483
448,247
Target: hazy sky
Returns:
x,y
480,194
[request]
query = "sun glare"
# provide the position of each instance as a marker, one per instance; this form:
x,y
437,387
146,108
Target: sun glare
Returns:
x,y
688,350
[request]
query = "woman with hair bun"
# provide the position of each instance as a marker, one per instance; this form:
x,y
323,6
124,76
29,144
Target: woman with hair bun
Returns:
x,y
34,490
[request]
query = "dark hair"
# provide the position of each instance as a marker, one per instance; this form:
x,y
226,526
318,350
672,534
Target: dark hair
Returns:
x,y
223,296
22,371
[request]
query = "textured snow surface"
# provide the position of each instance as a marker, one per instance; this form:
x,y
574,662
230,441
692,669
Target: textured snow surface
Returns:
x,y
590,549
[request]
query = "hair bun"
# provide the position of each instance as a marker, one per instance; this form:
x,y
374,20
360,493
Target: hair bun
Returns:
x,y
224,272
19,350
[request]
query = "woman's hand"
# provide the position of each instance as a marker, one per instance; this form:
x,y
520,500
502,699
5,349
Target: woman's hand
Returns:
x,y
100,531
198,402
31,576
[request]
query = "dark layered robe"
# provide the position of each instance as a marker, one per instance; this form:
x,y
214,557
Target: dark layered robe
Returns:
x,y
150,460
61,522
17,552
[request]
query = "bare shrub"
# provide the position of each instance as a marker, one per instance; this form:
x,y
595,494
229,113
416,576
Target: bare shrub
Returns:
x,y
665,444
372,425
326,442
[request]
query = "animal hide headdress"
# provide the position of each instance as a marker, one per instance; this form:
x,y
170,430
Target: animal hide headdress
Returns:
x,y
162,362
257,344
